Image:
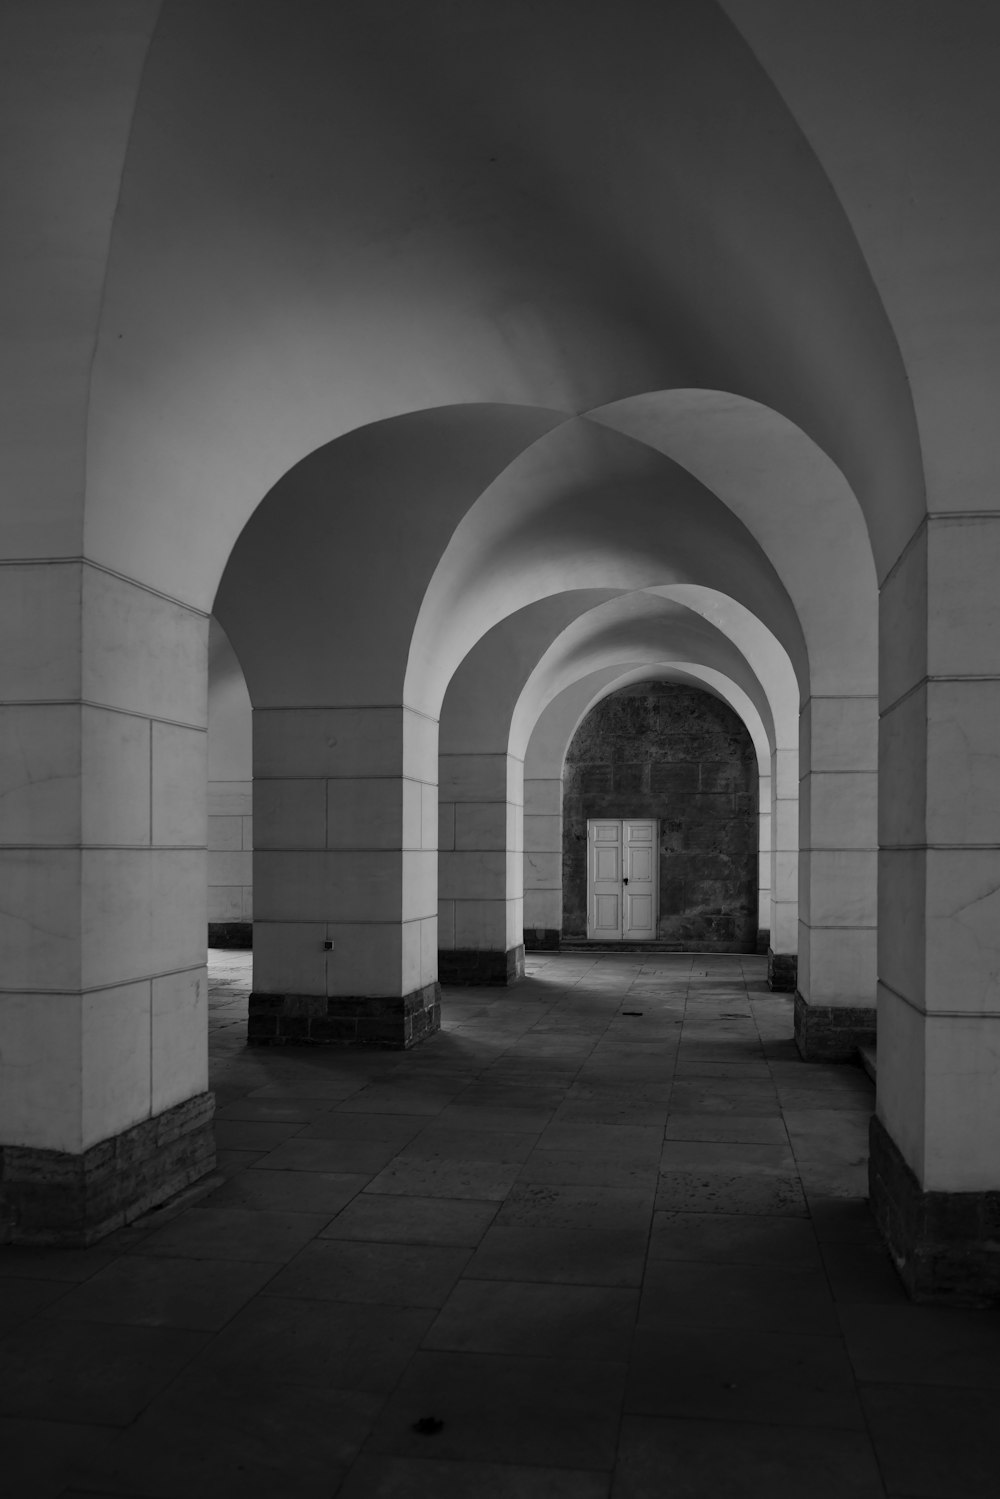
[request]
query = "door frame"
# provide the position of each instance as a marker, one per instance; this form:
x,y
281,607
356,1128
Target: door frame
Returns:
x,y
610,903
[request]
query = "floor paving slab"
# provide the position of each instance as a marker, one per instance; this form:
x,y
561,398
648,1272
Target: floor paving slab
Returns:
x,y
342,1124
608,1257
705,1459
329,1344
414,1478
598,1168
719,1191
41,1458
234,1233
534,1411
360,1271
212,1439
713,1373
449,1143
728,1239
350,1156
769,1298
543,1320
908,1344
380,1217
320,1193
89,1373
765,1129
22,1298
935,1443
484,1180
733,1157
538,1204
151,1292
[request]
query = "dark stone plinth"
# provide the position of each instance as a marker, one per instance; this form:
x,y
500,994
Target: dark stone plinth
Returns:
x,y
832,1033
53,1197
945,1245
782,971
347,1020
233,934
763,940
541,939
468,965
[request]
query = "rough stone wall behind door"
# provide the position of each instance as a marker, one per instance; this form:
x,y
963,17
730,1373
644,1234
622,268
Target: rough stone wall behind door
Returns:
x,y
659,750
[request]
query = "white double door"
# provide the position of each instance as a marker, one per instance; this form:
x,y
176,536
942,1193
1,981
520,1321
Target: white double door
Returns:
x,y
621,879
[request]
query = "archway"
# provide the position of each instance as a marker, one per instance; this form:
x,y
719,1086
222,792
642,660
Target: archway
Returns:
x,y
682,759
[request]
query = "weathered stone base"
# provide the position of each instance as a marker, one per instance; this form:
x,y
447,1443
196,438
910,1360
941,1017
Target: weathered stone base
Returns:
x,y
782,971
763,940
945,1245
541,939
468,965
234,934
347,1020
53,1197
832,1033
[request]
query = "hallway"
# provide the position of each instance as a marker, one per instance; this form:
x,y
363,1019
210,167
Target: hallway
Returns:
x,y
605,1228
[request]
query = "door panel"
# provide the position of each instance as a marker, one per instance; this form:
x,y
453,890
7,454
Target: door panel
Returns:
x,y
606,913
639,917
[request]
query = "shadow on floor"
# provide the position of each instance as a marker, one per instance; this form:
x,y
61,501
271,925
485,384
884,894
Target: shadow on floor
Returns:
x,y
603,1237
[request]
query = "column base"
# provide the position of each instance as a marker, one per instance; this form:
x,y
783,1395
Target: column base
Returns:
x,y
832,1033
233,934
763,940
53,1197
782,971
945,1245
344,1020
469,965
541,939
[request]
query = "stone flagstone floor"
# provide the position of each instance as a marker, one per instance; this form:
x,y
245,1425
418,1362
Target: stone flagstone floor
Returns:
x,y
604,1237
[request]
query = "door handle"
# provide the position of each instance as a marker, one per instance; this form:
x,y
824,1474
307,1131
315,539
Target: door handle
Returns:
x,y
625,880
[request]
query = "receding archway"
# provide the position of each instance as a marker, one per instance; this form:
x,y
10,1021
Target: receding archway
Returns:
x,y
683,759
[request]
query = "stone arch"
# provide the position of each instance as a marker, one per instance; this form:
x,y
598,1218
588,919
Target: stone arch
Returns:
x,y
496,693
543,784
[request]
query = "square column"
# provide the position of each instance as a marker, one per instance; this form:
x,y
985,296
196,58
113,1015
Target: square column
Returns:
x,y
481,869
764,892
782,960
104,1109
838,796
230,797
543,854
344,876
935,1145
